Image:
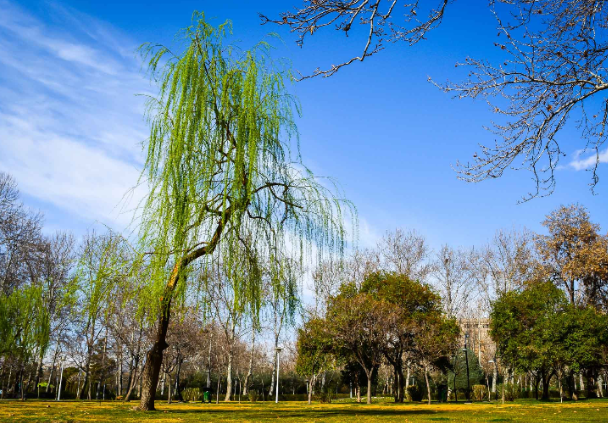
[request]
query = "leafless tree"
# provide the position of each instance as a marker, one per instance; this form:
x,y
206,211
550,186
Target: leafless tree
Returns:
x,y
381,21
552,71
21,240
405,252
452,280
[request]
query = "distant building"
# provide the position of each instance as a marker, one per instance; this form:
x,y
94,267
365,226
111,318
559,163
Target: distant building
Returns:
x,y
479,340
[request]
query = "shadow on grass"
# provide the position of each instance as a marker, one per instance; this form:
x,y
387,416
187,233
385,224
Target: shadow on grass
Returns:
x,y
311,413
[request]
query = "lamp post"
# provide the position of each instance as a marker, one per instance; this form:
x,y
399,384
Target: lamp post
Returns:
x,y
466,355
278,366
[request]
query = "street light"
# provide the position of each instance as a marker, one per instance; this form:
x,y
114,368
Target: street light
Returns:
x,y
466,355
278,365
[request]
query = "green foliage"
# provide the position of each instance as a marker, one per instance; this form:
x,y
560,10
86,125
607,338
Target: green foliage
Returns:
x,y
220,168
459,371
253,395
538,330
411,296
314,346
24,323
105,263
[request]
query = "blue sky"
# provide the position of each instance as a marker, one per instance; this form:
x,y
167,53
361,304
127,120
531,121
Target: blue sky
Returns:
x,y
71,125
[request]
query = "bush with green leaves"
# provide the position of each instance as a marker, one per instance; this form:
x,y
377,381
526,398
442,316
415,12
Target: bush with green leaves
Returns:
x,y
191,394
512,391
479,392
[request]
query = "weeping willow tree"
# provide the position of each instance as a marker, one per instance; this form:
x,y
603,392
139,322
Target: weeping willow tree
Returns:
x,y
24,327
224,173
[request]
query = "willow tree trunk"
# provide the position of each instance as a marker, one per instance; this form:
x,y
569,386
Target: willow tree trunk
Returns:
x,y
154,357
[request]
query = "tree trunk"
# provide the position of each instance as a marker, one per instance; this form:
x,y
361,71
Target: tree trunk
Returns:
x,y
134,377
250,369
38,375
231,339
546,380
154,357
217,396
398,391
169,396
494,375
274,369
103,363
310,390
570,379
428,385
228,395
369,385
178,392
162,384
209,363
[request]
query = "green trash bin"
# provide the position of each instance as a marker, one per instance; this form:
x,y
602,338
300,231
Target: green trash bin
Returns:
x,y
207,396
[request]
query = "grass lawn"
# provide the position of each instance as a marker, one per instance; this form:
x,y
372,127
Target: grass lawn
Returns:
x,y
522,411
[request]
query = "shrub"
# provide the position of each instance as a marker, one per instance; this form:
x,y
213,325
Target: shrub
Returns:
x,y
479,392
191,394
414,393
511,391
253,395
326,397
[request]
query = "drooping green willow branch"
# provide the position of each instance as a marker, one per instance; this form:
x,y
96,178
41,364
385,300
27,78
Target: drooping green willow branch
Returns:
x,y
220,165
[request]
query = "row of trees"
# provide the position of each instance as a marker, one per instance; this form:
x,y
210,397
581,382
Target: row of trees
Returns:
x,y
73,311
563,332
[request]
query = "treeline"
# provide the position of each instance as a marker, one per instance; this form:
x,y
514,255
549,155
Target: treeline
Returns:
x,y
74,314
397,320
527,311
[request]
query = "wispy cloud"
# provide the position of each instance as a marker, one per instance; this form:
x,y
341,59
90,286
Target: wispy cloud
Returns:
x,y
584,162
71,125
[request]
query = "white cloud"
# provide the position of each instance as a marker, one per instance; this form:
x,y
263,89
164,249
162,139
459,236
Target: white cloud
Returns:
x,y
584,163
71,125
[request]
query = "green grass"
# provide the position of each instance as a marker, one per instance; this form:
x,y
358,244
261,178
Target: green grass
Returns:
x,y
116,412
